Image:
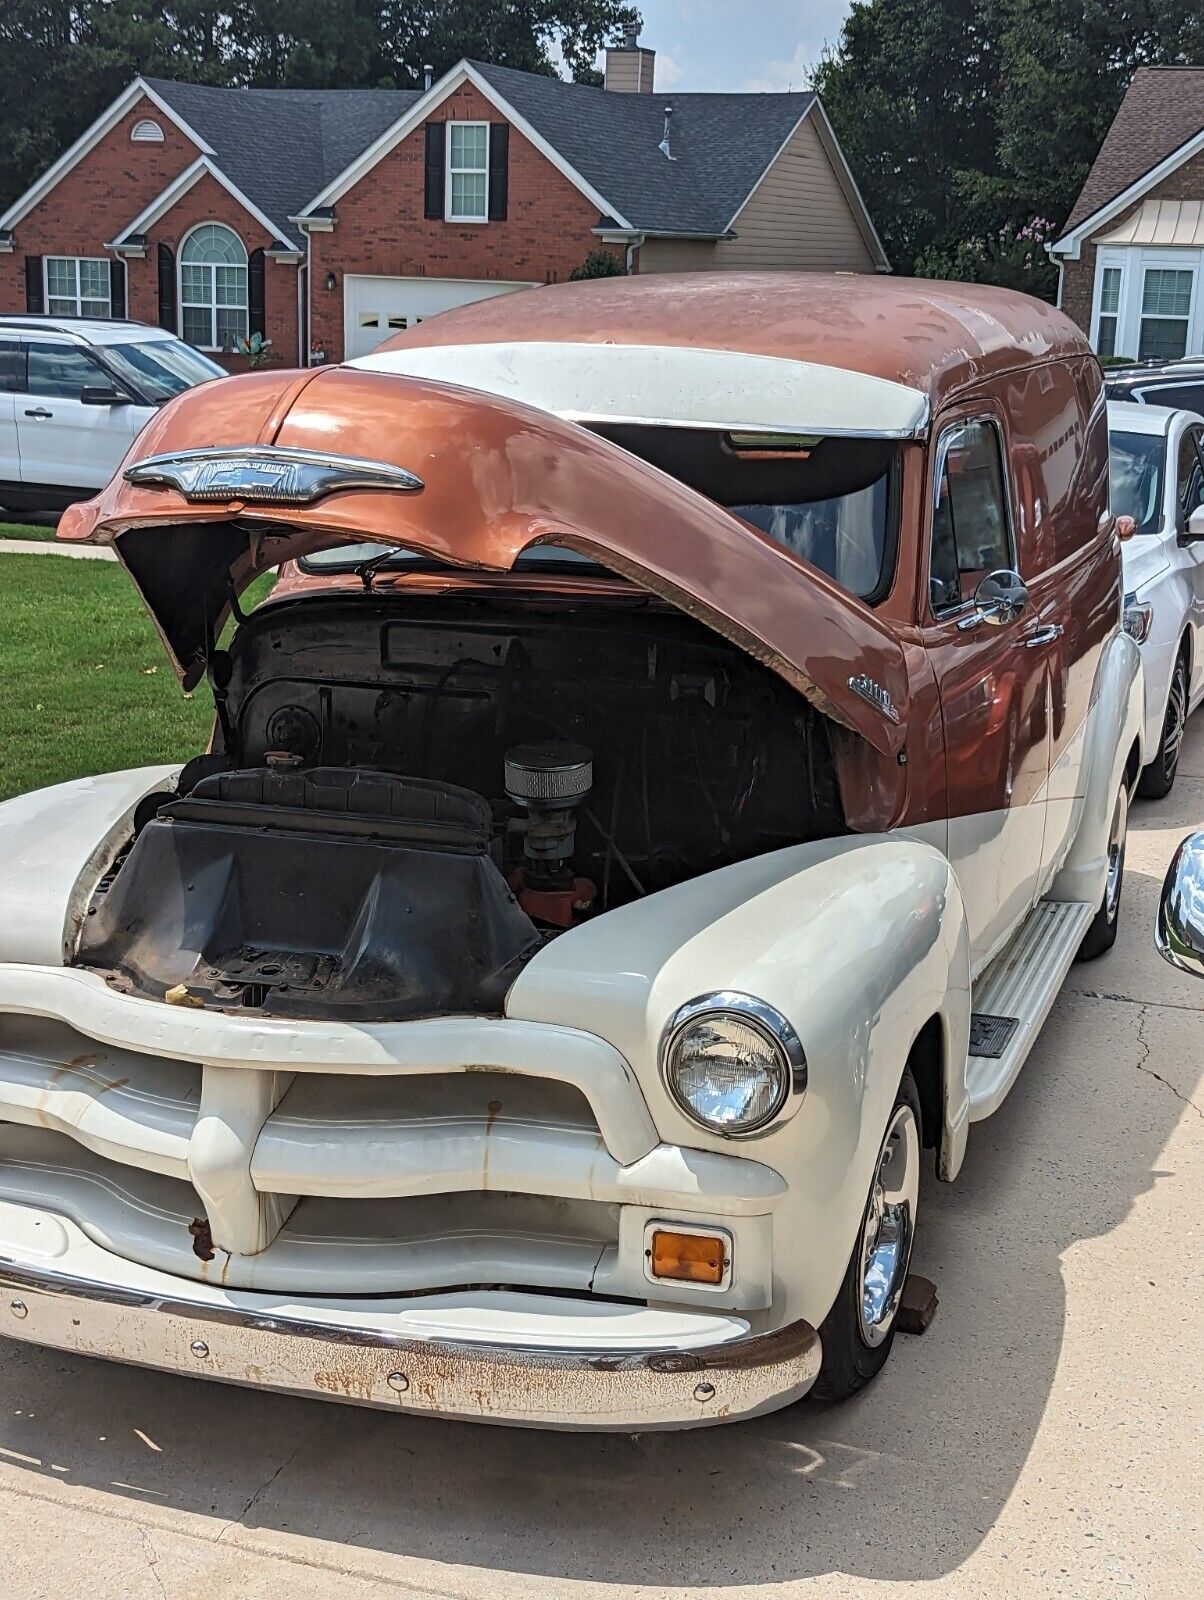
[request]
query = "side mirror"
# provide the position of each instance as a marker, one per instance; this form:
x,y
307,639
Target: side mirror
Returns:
x,y
999,599
1194,532
1179,931
97,396
1126,527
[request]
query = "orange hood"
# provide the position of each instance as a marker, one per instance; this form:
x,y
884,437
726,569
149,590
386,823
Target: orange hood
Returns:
x,y
494,478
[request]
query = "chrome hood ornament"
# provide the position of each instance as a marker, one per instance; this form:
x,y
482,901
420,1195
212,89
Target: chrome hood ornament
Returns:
x,y
270,475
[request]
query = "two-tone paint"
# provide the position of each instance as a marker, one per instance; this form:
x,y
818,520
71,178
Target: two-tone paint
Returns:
x,y
979,768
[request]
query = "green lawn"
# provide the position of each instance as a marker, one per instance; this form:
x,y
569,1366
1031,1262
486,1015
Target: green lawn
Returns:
x,y
86,684
24,530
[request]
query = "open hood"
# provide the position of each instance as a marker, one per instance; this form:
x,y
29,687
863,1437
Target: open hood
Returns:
x,y
235,477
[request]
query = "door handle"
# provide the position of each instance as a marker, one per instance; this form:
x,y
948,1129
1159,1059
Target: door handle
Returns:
x,y
1039,636
41,414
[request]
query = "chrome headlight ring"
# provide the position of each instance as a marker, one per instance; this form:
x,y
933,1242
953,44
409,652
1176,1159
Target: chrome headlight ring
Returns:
x,y
763,1021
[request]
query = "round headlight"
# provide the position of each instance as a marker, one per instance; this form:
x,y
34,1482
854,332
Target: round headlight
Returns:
x,y
731,1062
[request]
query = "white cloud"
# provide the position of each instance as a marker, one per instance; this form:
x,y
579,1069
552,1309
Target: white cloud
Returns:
x,y
792,74
668,72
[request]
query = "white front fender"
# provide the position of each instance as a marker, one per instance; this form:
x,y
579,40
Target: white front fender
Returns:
x,y
859,942
54,845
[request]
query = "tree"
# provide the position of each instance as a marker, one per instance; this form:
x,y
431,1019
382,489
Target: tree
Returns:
x,y
971,124
65,60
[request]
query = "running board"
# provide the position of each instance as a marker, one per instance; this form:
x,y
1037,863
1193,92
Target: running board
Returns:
x,y
1022,983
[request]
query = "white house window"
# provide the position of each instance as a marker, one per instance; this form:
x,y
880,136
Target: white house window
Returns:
x,y
77,286
1109,312
146,132
468,172
1165,313
213,287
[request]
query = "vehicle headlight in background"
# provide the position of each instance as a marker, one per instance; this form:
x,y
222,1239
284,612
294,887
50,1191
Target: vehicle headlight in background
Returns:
x,y
732,1063
1138,618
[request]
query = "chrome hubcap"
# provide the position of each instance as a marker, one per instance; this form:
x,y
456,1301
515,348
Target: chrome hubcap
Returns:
x,y
1116,854
1176,720
889,1227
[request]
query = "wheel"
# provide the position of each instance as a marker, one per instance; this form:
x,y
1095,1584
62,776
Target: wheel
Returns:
x,y
1158,779
860,1328
1101,934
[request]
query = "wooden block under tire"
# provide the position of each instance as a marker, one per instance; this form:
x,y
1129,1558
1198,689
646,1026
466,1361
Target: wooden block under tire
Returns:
x,y
918,1304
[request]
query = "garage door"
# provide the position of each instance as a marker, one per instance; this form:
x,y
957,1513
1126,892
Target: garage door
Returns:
x,y
375,308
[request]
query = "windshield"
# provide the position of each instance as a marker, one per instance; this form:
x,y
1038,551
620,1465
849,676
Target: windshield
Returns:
x,y
161,368
346,557
1135,478
830,501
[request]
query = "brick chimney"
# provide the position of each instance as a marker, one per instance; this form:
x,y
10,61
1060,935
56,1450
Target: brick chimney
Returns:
x,y
629,67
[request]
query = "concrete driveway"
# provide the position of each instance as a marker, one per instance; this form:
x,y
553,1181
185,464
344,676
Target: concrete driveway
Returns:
x,y
1042,1439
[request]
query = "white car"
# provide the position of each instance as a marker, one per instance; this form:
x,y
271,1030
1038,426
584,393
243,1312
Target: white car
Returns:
x,y
1157,478
73,395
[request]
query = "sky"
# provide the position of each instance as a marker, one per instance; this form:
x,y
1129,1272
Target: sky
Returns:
x,y
738,44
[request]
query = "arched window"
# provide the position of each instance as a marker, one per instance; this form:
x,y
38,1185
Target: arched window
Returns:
x,y
146,132
213,287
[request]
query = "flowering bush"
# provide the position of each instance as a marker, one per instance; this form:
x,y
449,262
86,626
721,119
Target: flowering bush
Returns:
x,y
1013,256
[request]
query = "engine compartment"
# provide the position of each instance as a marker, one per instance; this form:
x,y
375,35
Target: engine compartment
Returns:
x,y
410,793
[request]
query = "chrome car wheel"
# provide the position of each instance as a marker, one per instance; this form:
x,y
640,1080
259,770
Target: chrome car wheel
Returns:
x,y
1116,854
1175,723
889,1227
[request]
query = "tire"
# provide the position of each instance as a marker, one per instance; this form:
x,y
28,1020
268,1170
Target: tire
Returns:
x,y
1158,779
851,1354
1101,934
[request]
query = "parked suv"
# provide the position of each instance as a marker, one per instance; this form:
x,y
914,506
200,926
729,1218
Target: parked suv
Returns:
x,y
668,803
1157,478
73,394
1178,385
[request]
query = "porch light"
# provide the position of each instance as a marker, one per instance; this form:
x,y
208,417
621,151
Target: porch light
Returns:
x,y
331,281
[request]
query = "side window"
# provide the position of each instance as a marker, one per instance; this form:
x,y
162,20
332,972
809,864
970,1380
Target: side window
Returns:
x,y
971,534
60,371
1190,476
11,364
1178,396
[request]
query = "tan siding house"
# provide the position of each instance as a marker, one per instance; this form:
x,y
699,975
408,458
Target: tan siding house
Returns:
x,y
800,217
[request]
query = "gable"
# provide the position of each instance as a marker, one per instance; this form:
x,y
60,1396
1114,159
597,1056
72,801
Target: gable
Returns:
x,y
279,147
385,205
800,211
112,180
1158,127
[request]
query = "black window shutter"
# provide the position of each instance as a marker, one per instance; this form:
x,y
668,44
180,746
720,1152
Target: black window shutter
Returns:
x,y
255,308
117,288
436,133
167,288
34,298
499,169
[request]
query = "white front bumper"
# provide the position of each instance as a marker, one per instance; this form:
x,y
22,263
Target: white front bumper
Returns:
x,y
487,1356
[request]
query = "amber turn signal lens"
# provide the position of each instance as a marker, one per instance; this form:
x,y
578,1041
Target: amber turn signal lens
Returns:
x,y
689,1257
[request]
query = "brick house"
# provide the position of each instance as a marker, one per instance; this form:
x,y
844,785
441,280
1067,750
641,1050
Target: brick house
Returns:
x,y
327,219
1131,255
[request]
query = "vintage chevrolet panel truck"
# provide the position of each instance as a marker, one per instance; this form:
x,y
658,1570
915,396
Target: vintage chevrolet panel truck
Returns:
x,y
689,742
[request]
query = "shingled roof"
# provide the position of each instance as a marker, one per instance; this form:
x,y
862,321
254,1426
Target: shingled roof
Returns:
x,y
720,143
280,147
1162,110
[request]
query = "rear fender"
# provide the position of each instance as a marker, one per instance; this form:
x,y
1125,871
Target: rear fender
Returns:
x,y
1116,725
